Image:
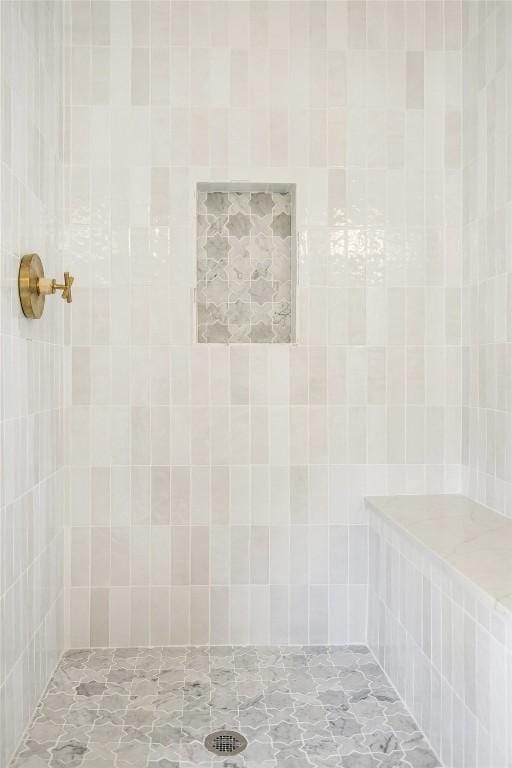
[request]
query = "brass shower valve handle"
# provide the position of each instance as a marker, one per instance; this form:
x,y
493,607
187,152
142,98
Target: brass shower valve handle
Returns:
x,y
34,286
45,286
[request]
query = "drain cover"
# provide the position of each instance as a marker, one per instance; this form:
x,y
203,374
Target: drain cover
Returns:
x,y
225,742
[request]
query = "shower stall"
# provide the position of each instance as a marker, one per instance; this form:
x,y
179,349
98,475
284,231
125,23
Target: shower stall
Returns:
x,y
256,468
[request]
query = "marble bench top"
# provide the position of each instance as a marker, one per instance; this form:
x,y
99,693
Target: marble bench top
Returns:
x,y
476,541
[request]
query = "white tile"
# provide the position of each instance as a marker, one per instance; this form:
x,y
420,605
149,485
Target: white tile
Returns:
x,y
281,438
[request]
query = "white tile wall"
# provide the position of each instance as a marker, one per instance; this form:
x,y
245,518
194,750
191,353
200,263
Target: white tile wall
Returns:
x,y
487,297
32,364
216,492
447,649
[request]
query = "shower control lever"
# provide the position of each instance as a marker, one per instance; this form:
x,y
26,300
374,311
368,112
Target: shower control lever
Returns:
x,y
46,286
34,286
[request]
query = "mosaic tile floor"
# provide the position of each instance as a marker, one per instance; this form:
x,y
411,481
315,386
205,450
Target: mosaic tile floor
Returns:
x,y
152,708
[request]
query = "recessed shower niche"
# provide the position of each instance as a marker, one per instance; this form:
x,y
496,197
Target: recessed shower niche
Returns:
x,y
245,263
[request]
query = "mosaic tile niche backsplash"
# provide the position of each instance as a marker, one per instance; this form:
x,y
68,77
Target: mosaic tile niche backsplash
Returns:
x,y
245,265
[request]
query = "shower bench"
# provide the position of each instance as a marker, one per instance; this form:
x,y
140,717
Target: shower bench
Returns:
x,y
440,620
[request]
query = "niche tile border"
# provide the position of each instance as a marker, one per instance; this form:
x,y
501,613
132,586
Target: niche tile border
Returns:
x,y
246,263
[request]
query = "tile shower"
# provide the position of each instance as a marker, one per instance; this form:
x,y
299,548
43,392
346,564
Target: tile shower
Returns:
x,y
288,226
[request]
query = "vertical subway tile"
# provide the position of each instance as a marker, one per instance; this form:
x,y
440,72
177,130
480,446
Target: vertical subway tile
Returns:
x,y
415,80
140,76
99,618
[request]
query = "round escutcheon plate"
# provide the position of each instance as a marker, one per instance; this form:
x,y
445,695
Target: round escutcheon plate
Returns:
x,y
32,302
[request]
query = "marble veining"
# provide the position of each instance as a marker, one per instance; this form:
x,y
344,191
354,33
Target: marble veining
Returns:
x,y
244,252
298,707
473,539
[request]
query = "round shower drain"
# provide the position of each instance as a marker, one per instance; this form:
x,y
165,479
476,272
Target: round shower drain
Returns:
x,y
225,742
